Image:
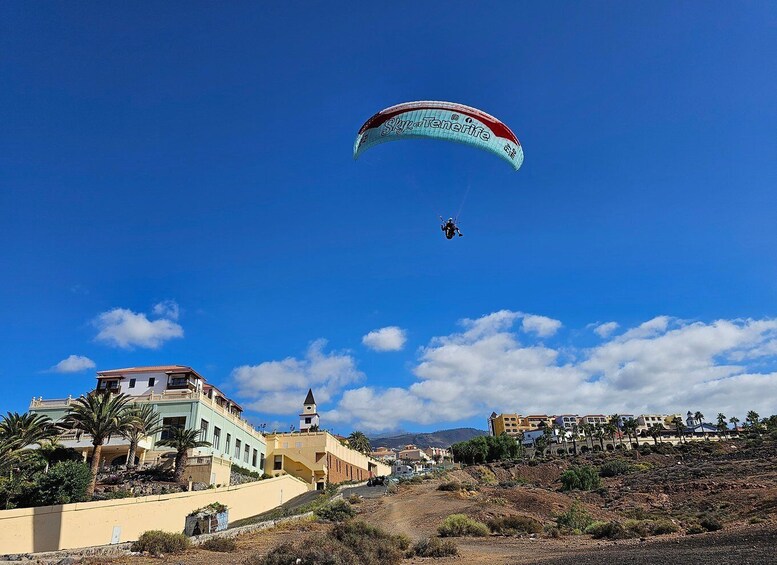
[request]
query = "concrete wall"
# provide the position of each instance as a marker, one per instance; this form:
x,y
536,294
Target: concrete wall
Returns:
x,y
209,470
49,528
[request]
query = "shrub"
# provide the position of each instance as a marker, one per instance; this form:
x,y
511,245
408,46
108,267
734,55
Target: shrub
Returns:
x,y
372,545
435,547
461,525
515,524
157,542
610,530
576,518
661,527
711,524
452,486
335,511
316,550
583,478
694,529
65,482
614,468
552,532
631,529
224,545
354,499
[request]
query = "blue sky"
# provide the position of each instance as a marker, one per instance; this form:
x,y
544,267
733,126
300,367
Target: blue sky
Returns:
x,y
176,186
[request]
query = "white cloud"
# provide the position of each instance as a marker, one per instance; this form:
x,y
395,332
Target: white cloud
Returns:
x,y
279,387
662,365
166,309
390,338
604,330
540,325
124,328
73,364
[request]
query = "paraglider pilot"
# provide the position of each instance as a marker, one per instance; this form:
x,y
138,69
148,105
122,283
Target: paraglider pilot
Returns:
x,y
450,228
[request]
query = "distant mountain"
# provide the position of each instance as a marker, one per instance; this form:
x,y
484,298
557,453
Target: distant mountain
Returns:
x,y
442,438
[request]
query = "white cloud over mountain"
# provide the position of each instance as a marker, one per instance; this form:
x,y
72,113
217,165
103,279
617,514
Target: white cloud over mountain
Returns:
x,y
126,329
497,363
73,364
390,338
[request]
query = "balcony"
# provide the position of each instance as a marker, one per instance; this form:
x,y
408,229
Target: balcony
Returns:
x,y
177,383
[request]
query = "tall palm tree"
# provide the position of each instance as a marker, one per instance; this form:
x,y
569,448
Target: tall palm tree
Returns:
x,y
753,420
630,427
358,441
698,417
142,422
615,422
575,437
588,430
678,426
100,415
734,421
600,433
655,431
722,427
182,440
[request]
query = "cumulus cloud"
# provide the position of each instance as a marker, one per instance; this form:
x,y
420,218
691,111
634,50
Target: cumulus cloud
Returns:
x,y
279,387
604,330
166,309
124,328
390,338
540,325
665,365
73,364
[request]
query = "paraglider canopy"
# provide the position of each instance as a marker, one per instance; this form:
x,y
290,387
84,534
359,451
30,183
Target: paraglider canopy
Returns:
x,y
440,120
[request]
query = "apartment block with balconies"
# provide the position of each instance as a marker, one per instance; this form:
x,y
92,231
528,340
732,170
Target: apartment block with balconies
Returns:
x,y
182,398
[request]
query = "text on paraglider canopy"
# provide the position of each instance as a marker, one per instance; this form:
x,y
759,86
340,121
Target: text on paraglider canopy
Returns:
x,y
398,126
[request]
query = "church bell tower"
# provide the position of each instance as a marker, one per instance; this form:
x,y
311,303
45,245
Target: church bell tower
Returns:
x,y
309,416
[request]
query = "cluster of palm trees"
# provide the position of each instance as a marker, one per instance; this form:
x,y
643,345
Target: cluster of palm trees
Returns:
x,y
101,416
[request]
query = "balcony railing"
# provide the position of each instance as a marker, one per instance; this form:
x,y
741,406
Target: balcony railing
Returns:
x,y
166,396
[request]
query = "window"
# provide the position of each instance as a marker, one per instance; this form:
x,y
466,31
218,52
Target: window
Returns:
x,y
277,463
298,445
261,461
204,428
216,438
237,449
246,453
228,445
174,422
151,381
307,420
253,459
132,383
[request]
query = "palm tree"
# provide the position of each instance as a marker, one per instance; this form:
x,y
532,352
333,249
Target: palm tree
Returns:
x,y
678,426
630,427
611,430
100,415
599,431
28,429
722,427
182,440
358,441
615,421
698,417
142,422
575,437
655,431
734,421
753,420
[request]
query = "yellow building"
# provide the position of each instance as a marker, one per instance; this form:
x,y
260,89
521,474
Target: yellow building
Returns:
x,y
511,424
318,458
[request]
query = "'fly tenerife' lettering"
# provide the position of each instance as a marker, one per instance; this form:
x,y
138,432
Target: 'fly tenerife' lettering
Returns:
x,y
399,126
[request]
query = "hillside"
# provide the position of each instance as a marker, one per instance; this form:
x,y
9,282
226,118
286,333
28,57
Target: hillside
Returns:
x,y
441,438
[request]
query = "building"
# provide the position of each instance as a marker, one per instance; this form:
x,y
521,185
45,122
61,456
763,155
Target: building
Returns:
x,y
437,454
539,421
510,424
600,419
308,420
566,421
318,458
384,454
412,453
182,398
645,421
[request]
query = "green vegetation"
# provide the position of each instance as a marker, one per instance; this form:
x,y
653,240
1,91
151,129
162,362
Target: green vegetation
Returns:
x,y
212,508
631,529
335,511
576,519
182,440
65,482
483,449
614,468
157,542
223,545
435,547
510,525
348,542
457,525
584,477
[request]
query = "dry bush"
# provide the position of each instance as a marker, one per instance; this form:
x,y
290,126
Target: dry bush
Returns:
x,y
457,525
435,547
157,542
